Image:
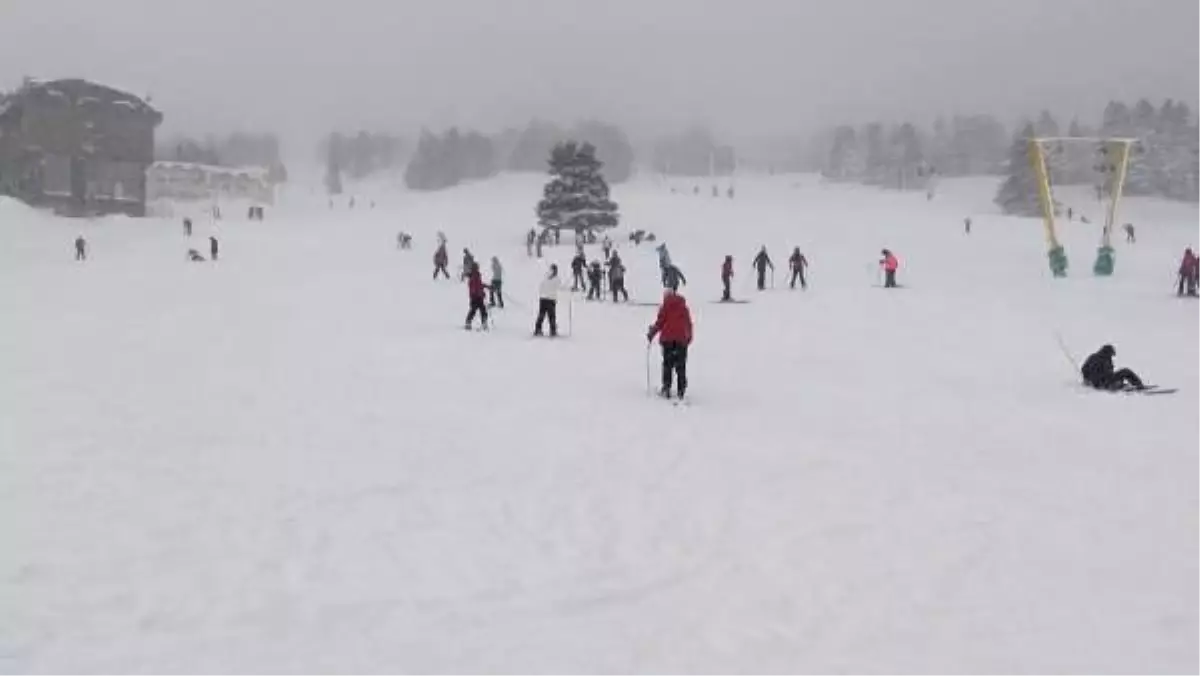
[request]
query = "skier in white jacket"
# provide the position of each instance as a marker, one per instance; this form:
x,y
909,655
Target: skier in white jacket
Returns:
x,y
548,302
495,295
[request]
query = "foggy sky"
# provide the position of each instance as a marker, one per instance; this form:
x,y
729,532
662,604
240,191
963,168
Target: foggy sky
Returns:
x,y
744,66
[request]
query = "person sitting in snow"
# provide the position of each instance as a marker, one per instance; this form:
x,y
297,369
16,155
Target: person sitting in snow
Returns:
x,y
1098,372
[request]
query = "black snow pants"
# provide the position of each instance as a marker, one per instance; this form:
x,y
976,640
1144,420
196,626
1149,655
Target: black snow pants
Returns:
x,y
674,362
496,294
577,281
798,274
594,292
889,279
547,309
1119,380
440,267
477,305
617,285
725,291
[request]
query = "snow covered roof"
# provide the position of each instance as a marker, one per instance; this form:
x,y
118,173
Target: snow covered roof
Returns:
x,y
83,91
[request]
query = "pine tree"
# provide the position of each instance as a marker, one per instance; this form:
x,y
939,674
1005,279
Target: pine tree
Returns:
x,y
1018,195
1145,158
845,160
576,197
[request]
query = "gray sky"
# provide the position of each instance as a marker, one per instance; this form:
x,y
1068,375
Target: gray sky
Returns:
x,y
744,66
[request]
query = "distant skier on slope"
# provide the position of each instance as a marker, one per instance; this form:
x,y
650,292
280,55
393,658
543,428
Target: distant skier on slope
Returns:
x,y
761,262
967,225
595,279
1130,234
468,262
674,330
475,296
213,248
187,227
440,260
1189,273
606,245
616,278
81,249
798,264
1098,372
496,289
890,264
548,302
578,263
726,278
530,238
664,261
673,277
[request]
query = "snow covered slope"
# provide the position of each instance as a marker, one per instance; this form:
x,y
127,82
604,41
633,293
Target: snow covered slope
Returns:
x,y
295,459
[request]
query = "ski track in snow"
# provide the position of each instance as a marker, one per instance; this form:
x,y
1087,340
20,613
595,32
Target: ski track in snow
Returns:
x,y
295,459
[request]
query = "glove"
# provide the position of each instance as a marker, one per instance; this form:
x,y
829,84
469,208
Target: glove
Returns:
x,y
650,334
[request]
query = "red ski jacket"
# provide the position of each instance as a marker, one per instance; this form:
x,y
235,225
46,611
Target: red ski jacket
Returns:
x,y
475,285
674,323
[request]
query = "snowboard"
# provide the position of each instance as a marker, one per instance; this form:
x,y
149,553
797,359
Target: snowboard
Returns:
x,y
1150,389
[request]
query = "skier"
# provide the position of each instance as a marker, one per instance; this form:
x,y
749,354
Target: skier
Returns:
x,y
578,263
530,238
967,225
441,259
616,277
798,264
404,241
441,238
541,241
187,227
467,264
1189,273
761,262
890,264
548,302
674,330
606,246
81,249
673,277
1070,214
557,236
213,246
726,278
475,289
1130,236
495,291
664,261
1098,372
595,278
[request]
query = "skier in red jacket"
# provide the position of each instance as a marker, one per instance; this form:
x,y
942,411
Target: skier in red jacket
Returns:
x,y
475,289
674,330
1189,273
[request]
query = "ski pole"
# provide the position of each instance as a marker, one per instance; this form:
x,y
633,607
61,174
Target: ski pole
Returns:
x,y
570,315
649,386
1066,353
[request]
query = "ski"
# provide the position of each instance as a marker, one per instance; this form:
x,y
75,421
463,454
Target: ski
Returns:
x,y
730,302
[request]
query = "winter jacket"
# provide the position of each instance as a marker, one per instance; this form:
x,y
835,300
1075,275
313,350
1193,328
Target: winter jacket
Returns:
x,y
890,262
1188,266
1097,370
578,263
674,277
664,257
616,272
475,284
440,257
497,271
798,261
727,270
674,323
762,261
549,288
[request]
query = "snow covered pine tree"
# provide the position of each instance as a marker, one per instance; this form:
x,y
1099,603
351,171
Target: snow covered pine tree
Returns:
x,y
576,197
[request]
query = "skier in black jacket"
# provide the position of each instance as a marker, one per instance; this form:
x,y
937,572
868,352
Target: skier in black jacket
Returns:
x,y
761,262
578,263
1098,372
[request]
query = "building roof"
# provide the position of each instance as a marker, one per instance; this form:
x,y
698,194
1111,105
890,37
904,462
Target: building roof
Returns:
x,y
79,92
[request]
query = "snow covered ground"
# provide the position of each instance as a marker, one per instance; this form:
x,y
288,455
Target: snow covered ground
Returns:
x,y
295,459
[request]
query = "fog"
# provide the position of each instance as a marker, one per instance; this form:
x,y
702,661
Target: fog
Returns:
x,y
746,67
